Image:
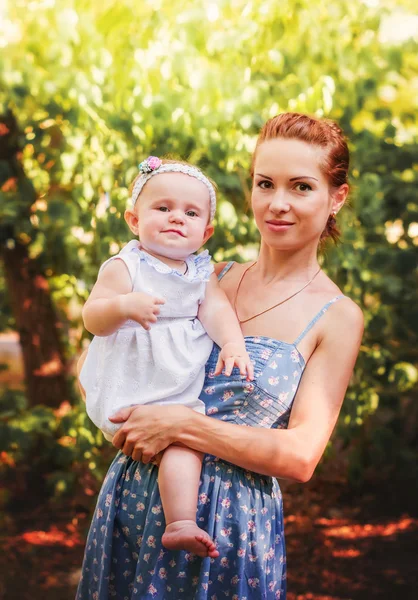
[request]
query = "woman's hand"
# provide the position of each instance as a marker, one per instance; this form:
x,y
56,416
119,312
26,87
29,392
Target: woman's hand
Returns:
x,y
148,430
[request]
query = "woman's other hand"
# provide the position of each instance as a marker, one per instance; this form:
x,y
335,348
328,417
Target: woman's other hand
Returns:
x,y
148,430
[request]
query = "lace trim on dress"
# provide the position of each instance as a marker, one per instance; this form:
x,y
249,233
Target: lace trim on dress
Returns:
x,y
199,266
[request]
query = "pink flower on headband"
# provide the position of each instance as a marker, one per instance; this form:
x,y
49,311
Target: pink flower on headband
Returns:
x,y
150,164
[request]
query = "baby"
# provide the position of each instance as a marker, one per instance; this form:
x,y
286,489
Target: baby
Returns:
x,y
154,311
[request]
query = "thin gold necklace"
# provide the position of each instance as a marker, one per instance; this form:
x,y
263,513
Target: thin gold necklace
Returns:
x,y
271,307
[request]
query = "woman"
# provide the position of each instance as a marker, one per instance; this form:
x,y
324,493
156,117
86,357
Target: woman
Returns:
x,y
303,336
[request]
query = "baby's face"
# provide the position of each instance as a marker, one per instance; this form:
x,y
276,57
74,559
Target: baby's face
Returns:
x,y
173,215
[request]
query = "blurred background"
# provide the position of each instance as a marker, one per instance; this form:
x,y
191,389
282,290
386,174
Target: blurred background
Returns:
x,y
87,90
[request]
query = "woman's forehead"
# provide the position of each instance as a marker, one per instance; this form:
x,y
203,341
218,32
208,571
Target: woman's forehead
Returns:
x,y
282,155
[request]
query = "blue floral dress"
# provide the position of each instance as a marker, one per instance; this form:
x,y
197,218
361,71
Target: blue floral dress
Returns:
x,y
241,510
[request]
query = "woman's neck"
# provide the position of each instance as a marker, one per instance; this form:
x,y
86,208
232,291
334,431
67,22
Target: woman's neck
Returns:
x,y
286,265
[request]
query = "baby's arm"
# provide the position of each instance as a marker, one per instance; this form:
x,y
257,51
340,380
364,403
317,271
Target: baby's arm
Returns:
x,y
112,302
220,321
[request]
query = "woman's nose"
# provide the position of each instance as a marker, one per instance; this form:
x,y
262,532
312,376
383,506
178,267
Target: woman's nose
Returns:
x,y
279,202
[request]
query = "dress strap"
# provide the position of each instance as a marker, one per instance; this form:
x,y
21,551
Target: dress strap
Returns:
x,y
316,318
225,269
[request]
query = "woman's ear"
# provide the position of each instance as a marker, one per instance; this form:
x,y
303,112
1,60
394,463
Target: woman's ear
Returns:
x,y
339,197
133,221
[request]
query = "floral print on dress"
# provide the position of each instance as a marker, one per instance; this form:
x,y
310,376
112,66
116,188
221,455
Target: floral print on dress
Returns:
x,y
266,401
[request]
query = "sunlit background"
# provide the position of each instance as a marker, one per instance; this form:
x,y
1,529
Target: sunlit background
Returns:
x,y
87,90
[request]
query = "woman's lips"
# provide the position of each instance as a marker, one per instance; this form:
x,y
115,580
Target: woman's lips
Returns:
x,y
279,225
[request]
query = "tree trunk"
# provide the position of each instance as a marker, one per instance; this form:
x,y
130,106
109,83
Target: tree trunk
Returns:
x,y
38,328
28,289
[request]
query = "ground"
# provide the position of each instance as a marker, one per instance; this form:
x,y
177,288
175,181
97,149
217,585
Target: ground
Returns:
x,y
339,548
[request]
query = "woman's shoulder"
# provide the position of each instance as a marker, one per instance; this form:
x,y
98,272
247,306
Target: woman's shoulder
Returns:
x,y
346,317
343,306
235,267
340,333
351,311
219,267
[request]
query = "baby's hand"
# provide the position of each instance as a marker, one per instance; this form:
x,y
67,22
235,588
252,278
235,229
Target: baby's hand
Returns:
x,y
235,355
141,308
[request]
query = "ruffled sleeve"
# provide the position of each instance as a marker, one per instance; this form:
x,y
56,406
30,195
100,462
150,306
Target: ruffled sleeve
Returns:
x,y
203,265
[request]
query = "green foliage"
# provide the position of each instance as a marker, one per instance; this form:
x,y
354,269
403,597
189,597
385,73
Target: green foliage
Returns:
x,y
50,449
98,86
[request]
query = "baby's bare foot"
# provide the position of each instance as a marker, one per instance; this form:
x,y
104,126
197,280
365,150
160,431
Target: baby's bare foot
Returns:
x,y
186,535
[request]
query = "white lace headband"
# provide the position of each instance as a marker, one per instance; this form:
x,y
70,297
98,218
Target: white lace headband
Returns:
x,y
153,166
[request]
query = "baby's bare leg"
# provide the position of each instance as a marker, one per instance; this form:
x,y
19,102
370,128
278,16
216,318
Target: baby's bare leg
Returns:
x,y
178,480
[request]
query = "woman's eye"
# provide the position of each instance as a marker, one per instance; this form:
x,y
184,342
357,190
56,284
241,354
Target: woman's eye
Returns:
x,y
303,187
191,213
265,185
163,208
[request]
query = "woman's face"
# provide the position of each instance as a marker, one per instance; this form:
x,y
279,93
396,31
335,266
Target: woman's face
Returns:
x,y
291,199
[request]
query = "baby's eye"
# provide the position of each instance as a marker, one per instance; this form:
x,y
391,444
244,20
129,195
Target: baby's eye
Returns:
x,y
191,213
303,187
264,184
163,208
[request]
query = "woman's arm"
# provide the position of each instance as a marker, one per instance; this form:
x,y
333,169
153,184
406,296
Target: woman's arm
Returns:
x,y
291,453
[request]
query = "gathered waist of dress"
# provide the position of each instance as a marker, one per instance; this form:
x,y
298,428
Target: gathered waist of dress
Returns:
x,y
161,321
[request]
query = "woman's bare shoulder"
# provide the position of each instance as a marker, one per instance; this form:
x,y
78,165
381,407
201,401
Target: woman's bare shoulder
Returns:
x,y
347,316
236,267
345,309
219,266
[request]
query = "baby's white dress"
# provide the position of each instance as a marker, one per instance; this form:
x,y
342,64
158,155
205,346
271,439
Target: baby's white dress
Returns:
x,y
165,365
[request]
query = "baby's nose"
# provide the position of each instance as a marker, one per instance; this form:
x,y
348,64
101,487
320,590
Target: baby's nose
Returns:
x,y
177,216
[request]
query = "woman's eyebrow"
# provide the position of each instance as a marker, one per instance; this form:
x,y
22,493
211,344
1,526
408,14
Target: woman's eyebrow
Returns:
x,y
264,176
291,179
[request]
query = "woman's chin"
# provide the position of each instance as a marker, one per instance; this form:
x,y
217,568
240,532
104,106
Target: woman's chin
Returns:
x,y
289,242
280,242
